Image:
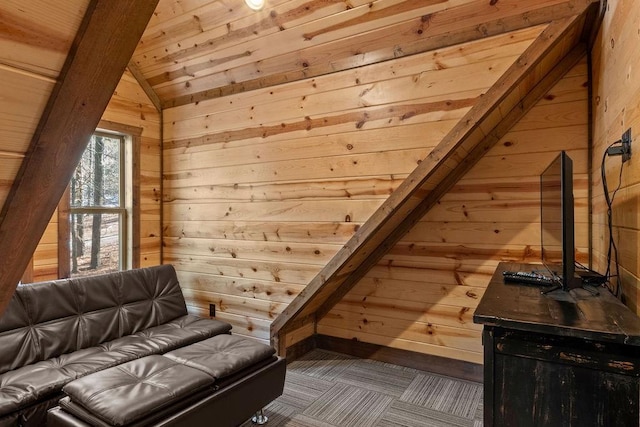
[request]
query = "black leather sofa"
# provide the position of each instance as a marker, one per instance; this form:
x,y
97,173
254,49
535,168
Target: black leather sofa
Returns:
x,y
64,332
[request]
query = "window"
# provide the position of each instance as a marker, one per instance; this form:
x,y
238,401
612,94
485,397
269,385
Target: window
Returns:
x,y
102,196
98,209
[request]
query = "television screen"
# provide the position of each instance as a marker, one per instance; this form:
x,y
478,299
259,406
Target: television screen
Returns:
x,y
556,218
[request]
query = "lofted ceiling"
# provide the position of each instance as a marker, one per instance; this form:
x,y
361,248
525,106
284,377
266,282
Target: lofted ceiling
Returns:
x,y
200,49
35,38
193,50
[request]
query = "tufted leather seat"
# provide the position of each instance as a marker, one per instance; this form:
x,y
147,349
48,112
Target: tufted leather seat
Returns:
x,y
128,392
146,390
54,332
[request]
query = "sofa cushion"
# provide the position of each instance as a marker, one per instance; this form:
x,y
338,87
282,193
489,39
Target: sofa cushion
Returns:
x,y
159,339
93,359
19,348
54,332
183,331
126,302
45,320
133,390
30,327
223,355
24,386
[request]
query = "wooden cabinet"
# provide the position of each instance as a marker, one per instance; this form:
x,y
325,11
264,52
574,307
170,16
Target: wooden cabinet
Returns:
x,y
561,359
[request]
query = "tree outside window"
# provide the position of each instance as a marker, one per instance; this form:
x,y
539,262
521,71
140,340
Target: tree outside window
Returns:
x,y
97,211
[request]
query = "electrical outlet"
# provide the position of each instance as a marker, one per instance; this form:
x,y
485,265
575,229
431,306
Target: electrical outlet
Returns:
x,y
626,145
212,310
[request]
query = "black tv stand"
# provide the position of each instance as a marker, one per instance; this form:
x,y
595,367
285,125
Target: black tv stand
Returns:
x,y
561,359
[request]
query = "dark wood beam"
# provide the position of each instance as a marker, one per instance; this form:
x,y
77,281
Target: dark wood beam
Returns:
x,y
99,55
526,81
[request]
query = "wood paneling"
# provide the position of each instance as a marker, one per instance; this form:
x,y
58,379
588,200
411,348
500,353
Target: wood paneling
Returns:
x,y
86,83
24,98
616,96
263,188
526,82
198,50
45,257
423,293
130,106
35,38
129,111
294,124
34,42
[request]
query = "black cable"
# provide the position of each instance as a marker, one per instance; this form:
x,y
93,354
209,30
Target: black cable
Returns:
x,y
584,267
612,249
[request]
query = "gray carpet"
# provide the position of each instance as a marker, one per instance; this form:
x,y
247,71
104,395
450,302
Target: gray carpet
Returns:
x,y
326,389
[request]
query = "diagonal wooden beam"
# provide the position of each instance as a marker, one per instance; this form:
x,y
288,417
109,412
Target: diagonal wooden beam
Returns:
x,y
471,158
101,50
146,87
526,81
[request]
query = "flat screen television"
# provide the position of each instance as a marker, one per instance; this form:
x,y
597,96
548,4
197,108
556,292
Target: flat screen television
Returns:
x,y
556,220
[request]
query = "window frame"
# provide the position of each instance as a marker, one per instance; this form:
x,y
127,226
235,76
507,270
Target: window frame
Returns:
x,y
129,194
121,209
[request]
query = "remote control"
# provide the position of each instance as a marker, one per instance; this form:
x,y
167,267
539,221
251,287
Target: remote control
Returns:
x,y
528,278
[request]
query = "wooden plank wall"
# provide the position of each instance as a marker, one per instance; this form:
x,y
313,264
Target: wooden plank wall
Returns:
x,y
262,188
422,295
45,257
36,38
18,119
615,103
129,106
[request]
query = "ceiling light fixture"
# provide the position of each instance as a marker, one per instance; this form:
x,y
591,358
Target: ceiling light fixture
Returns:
x,y
255,4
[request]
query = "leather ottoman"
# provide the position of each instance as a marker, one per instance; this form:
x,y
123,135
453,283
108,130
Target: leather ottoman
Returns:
x,y
219,381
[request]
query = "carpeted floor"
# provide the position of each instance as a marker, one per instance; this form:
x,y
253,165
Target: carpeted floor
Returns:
x,y
325,389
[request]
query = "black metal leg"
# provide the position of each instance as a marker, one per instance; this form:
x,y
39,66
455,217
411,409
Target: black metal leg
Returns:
x,y
259,418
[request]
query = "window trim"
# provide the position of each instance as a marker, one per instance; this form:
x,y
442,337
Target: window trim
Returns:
x,y
130,225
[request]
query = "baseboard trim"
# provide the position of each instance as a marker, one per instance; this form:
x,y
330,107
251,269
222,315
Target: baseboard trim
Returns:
x,y
435,364
301,348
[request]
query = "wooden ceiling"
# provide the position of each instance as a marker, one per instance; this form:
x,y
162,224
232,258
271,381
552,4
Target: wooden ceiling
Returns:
x,y
200,49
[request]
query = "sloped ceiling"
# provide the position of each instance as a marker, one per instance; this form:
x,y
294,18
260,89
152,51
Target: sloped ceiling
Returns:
x,y
35,40
199,49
